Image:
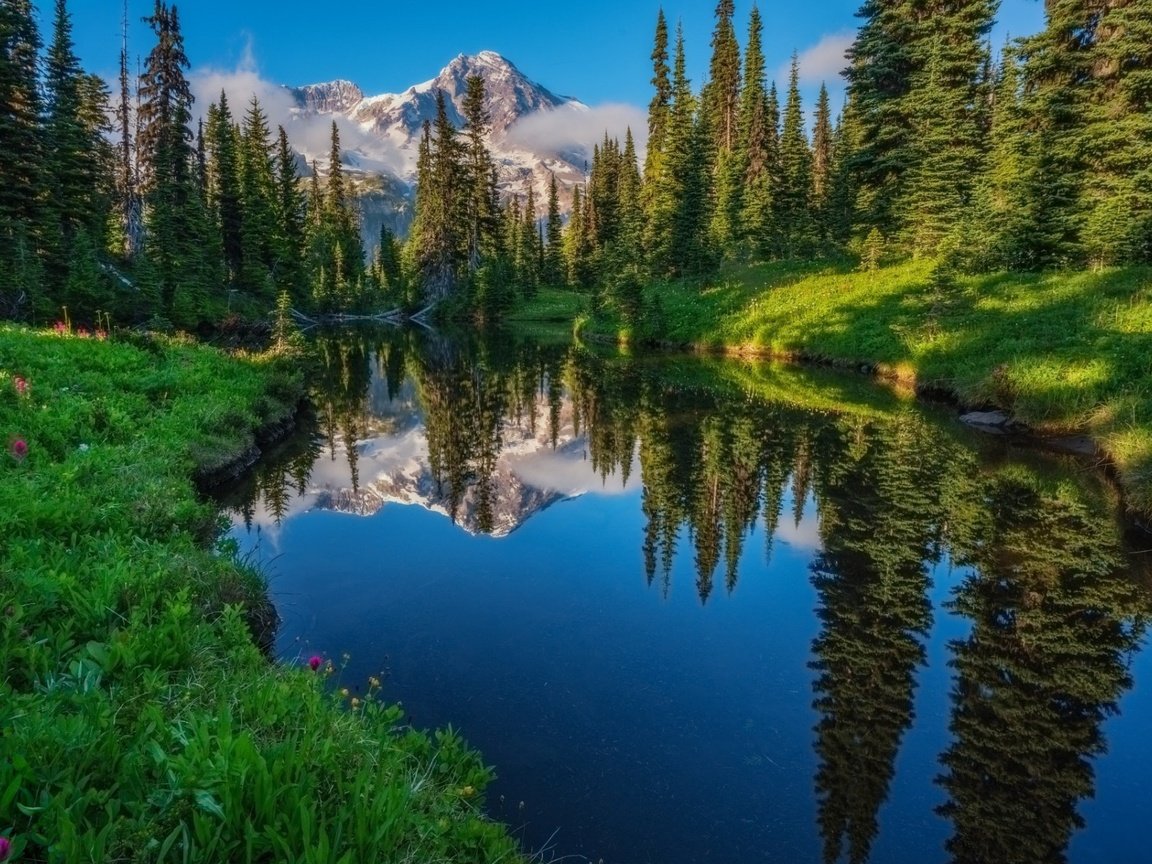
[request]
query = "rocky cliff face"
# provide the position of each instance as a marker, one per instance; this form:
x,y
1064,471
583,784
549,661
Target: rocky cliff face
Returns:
x,y
384,156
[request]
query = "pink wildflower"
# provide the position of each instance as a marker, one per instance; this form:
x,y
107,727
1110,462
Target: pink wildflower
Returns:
x,y
19,451
21,385
101,335
82,332
314,662
61,328
5,848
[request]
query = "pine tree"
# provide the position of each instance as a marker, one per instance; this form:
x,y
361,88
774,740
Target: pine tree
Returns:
x,y
757,151
946,108
257,196
661,104
1058,69
478,167
129,233
721,95
289,238
554,245
822,144
1118,188
880,73
224,194
21,140
176,240
792,192
439,237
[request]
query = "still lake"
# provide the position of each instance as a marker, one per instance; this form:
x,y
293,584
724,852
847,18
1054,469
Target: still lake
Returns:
x,y
700,610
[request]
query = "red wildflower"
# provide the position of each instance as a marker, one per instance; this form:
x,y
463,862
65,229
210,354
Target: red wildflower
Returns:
x,y
314,662
21,385
19,450
5,848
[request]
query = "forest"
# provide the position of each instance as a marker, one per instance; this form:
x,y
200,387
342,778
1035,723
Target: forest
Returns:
x,y
1031,156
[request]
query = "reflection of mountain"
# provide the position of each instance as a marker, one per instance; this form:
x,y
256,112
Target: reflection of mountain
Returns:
x,y
393,465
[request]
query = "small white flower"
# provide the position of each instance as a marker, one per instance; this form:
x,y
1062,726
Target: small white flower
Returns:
x,y
84,448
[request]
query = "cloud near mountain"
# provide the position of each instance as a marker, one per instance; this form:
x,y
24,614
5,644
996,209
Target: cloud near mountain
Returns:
x,y
581,126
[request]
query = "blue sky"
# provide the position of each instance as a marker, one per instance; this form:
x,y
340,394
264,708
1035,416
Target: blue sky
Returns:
x,y
597,51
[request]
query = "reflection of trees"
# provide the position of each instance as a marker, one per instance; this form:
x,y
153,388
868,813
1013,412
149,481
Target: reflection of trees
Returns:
x,y
1053,619
878,492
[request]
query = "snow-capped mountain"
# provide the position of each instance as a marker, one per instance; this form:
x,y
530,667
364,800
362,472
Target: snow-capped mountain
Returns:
x,y
388,129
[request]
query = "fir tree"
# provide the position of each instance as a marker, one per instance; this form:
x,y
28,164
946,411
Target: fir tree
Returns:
x,y
757,151
477,168
289,238
792,192
554,245
257,194
21,141
822,146
224,195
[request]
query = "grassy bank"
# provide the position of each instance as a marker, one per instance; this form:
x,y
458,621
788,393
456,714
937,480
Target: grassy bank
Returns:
x,y
1064,352
138,721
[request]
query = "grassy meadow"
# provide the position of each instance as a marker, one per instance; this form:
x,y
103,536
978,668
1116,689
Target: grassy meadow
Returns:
x,y
140,721
1064,352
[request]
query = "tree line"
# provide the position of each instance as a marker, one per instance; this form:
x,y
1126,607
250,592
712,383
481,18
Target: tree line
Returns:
x,y
123,207
1037,157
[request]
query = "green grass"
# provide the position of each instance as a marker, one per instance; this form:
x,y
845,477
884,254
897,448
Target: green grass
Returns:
x,y
1063,351
139,721
552,305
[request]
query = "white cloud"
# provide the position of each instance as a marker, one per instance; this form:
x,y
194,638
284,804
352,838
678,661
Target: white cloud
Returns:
x,y
310,135
824,61
578,127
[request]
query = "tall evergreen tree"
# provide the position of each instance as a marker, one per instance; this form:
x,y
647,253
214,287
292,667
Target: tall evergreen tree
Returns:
x,y
258,194
21,141
661,104
792,192
880,73
822,145
478,167
224,196
176,241
289,211
721,95
757,151
554,245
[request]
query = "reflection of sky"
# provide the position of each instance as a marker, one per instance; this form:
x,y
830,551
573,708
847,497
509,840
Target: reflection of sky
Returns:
x,y
635,721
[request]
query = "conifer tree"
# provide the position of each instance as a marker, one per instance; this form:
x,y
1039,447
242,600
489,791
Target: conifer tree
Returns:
x,y
554,245
792,192
757,150
822,144
257,194
176,240
21,141
289,239
478,168
224,196
1118,189
721,96
880,73
661,104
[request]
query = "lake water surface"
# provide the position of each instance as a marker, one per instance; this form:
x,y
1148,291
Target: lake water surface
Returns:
x,y
697,610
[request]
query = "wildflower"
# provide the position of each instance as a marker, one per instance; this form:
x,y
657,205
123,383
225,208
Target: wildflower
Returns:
x,y
82,332
19,449
355,703
83,448
5,848
374,681
21,385
344,692
468,791
101,335
61,328
314,662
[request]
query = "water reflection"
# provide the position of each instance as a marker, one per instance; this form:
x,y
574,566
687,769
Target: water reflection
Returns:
x,y
881,501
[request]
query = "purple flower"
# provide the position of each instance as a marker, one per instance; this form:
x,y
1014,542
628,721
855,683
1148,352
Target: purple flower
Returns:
x,y
19,451
5,848
314,662
21,385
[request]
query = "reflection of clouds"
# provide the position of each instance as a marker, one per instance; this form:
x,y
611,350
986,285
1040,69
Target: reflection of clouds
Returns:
x,y
568,471
806,535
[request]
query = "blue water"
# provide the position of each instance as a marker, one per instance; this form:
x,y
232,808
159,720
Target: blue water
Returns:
x,y
628,721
